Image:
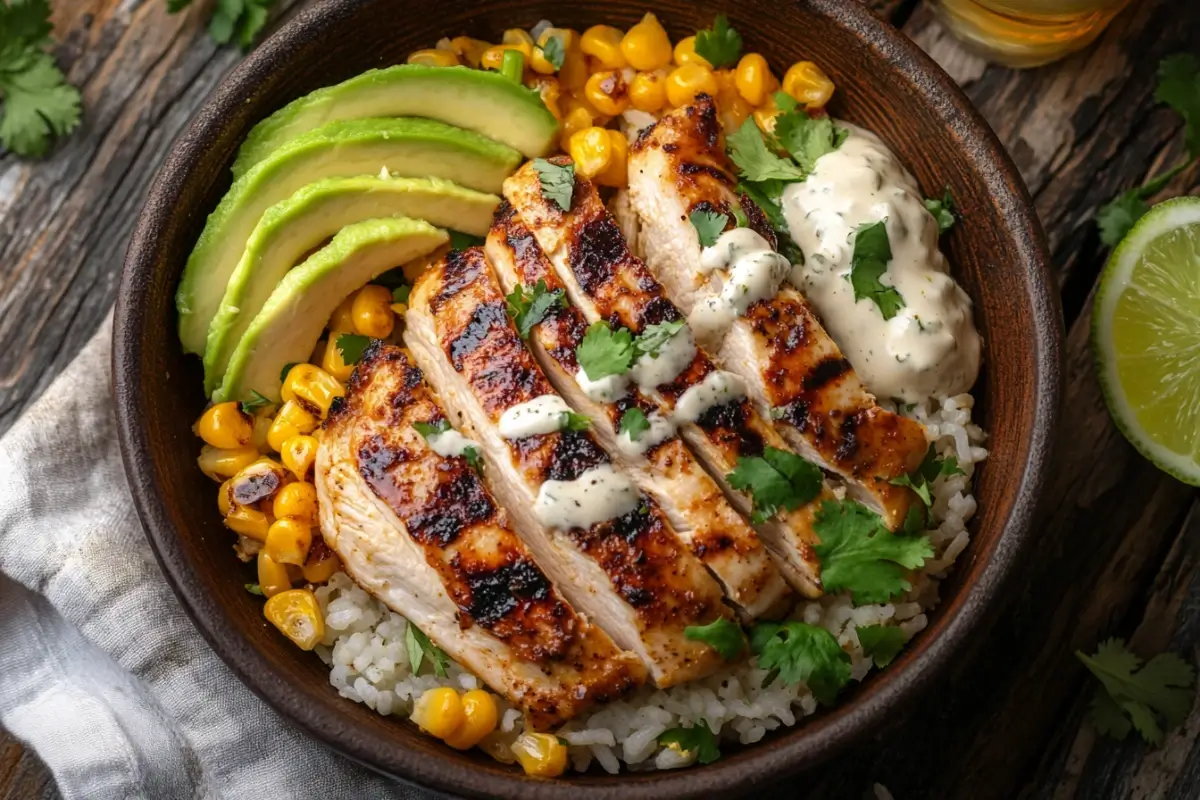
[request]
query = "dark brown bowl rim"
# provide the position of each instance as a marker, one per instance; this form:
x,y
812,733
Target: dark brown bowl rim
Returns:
x,y
823,737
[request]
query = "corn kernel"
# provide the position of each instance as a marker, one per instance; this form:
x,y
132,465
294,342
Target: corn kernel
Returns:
x,y
297,615
479,708
434,58
333,362
607,92
685,53
577,120
321,564
684,83
764,115
754,79
646,45
312,388
574,72
469,50
616,174
226,426
372,312
439,712
298,454
603,43
733,110
225,498
548,87
272,576
219,464
540,754
257,482
292,420
538,61
262,426
519,36
592,150
288,541
808,84
297,501
648,92
248,522
342,319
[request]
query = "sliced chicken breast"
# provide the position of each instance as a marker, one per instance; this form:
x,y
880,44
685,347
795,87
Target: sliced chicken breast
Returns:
x,y
658,460
419,531
605,282
606,545
793,369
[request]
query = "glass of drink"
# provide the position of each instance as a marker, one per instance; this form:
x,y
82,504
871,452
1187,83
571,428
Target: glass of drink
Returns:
x,y
1027,33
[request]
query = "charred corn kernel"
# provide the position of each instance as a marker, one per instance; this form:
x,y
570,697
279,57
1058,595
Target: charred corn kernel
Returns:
x,y
225,498
574,72
288,541
333,362
538,61
646,45
548,87
372,312
297,615
493,57
518,36
342,318
648,92
607,92
297,501
312,389
754,78
272,576
684,83
248,522
469,50
322,563
262,426
256,482
685,53
219,464
479,708
292,419
591,149
764,115
540,754
298,454
226,426
439,712
603,43
805,82
616,174
434,58
577,120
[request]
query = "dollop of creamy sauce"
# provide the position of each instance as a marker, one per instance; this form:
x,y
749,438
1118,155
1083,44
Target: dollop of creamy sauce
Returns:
x,y
599,494
753,272
449,443
661,429
606,390
672,358
716,389
540,415
930,347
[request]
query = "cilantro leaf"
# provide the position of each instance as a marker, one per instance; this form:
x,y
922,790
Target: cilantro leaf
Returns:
x,y
803,653
740,220
755,162
872,252
722,634
1116,217
1155,697
634,422
462,241
881,642
254,588
942,210
283,373
719,45
1179,88
553,51
766,195
38,103
653,337
776,480
428,429
931,468
858,553
401,293
558,183
255,402
419,648
698,738
528,307
575,422
605,352
352,346
474,457
708,225
807,138
243,19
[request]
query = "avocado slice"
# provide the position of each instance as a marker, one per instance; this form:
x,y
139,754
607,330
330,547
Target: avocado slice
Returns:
x,y
290,323
482,101
295,226
403,146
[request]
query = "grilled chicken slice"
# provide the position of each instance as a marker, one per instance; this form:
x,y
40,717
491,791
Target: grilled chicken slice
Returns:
x,y
658,460
421,532
605,544
793,369
604,281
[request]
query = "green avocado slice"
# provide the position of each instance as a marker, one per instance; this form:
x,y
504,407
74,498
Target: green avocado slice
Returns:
x,y
403,146
482,101
290,323
295,226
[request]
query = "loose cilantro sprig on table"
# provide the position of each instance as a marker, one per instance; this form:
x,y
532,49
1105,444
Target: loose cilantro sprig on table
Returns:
x,y
720,45
942,210
881,642
1118,216
872,252
351,346
697,738
240,19
722,634
777,480
36,102
800,652
708,224
1150,699
419,648
859,555
634,423
529,306
558,182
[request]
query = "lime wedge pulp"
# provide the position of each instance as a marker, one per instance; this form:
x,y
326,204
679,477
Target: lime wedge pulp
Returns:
x,y
1146,337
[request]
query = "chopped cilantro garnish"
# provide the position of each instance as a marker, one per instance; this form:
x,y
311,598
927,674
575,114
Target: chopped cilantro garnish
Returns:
x,y
419,648
254,588
722,634
474,457
755,161
605,352
1150,699
719,45
553,51
942,210
527,307
428,429
401,293
575,422
708,225
352,346
460,240
558,183
872,252
858,554
255,402
283,373
800,652
697,738
776,480
653,337
931,468
634,423
881,642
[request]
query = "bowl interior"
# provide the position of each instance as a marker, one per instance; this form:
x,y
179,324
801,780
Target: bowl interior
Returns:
x,y
883,83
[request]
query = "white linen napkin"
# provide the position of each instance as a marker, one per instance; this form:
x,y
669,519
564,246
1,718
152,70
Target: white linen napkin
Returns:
x,y
101,671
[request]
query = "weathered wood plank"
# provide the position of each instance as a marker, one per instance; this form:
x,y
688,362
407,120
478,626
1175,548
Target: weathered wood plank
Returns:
x,y
22,775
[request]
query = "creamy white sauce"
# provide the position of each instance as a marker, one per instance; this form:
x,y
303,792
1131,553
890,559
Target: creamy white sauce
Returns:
x,y
608,389
540,415
598,495
671,359
931,347
752,272
661,429
449,443
716,389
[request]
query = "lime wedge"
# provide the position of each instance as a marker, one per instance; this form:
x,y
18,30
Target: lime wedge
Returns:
x,y
1146,337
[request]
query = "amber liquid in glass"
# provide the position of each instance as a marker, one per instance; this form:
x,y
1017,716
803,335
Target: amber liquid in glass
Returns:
x,y
1027,33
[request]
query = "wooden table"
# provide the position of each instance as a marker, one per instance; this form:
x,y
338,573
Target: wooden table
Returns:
x,y
1119,542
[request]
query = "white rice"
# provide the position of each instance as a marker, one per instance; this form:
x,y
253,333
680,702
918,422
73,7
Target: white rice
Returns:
x,y
365,646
